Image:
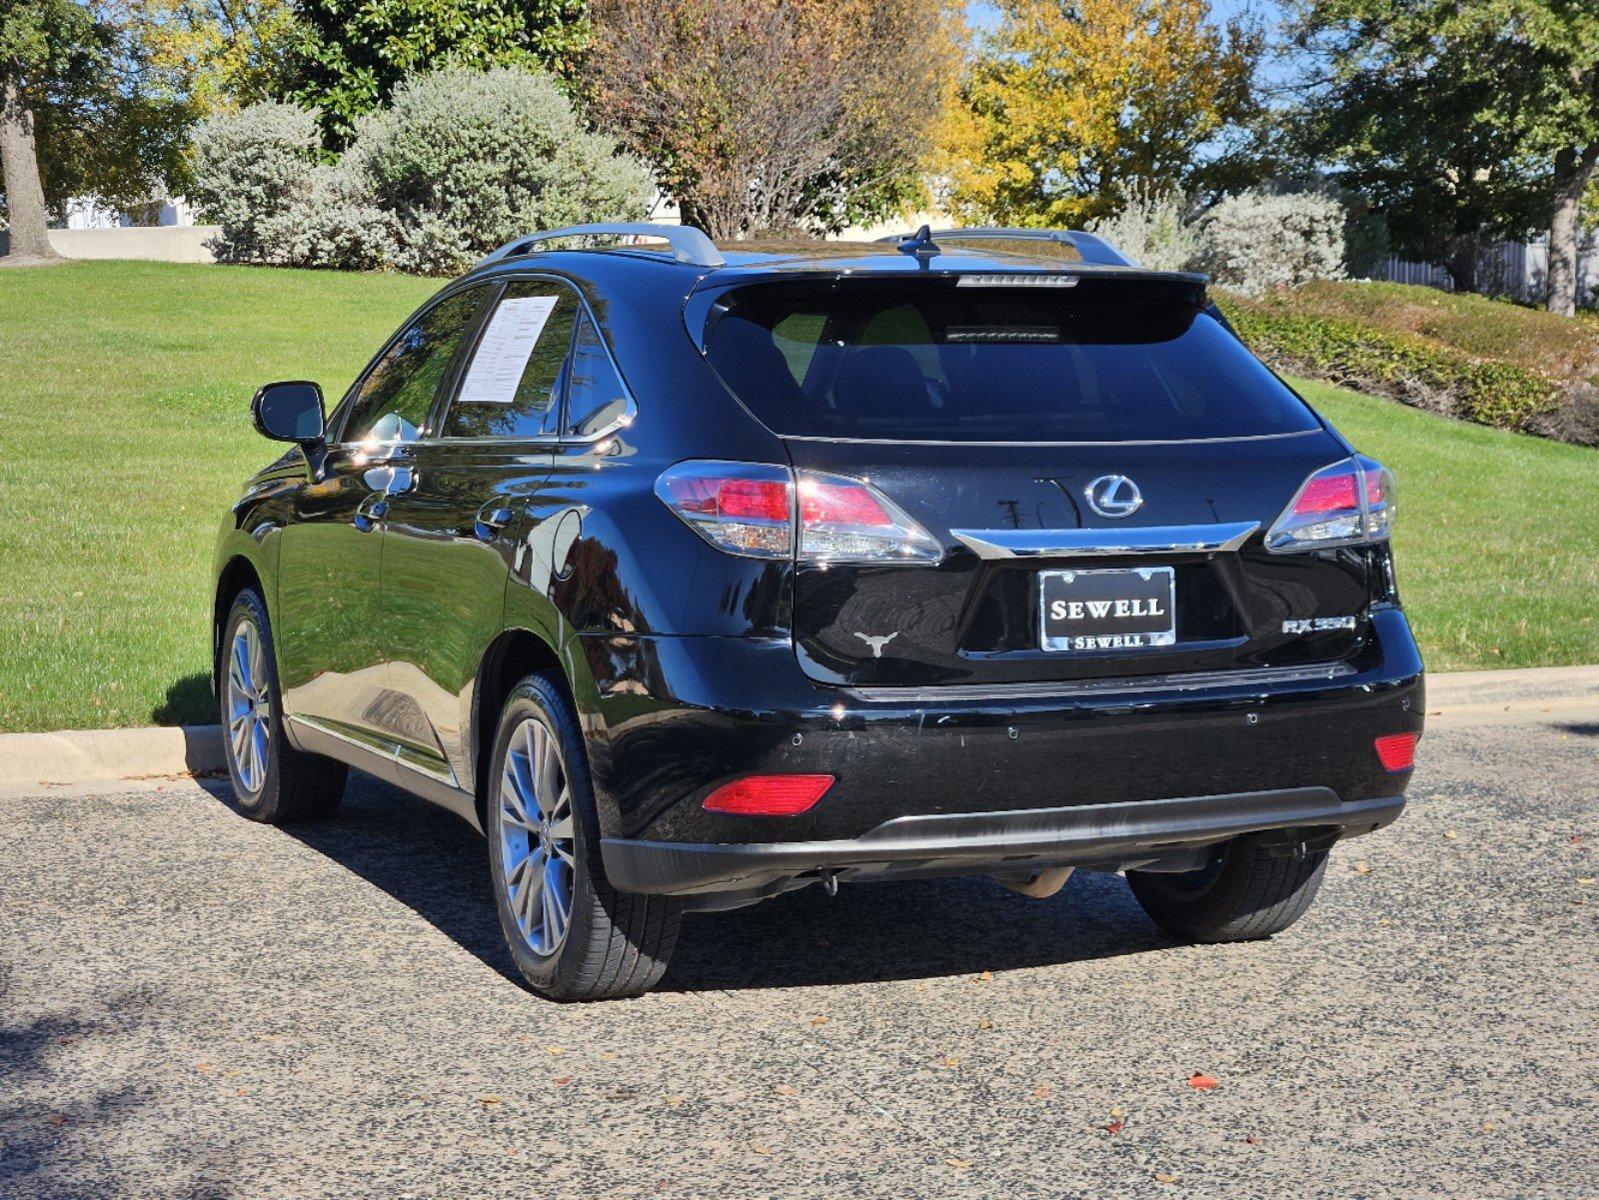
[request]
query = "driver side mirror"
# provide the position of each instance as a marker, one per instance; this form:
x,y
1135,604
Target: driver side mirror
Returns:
x,y
289,412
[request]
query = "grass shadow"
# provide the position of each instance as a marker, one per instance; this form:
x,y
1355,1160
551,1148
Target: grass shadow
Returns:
x,y
188,702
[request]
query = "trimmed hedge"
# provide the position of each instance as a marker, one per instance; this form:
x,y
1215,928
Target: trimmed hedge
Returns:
x,y
1286,330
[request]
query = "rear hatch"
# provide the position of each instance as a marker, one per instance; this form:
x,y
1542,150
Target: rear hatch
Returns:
x,y
1099,458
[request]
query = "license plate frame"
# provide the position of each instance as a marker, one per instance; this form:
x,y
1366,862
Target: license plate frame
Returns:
x,y
1110,632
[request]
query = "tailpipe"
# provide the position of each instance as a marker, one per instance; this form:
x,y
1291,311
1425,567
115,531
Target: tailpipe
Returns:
x,y
1040,885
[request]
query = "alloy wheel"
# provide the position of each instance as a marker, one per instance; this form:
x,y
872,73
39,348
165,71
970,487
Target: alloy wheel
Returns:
x,y
538,855
249,706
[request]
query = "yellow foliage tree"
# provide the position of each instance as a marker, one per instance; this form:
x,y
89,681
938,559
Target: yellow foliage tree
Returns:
x,y
1068,107
217,54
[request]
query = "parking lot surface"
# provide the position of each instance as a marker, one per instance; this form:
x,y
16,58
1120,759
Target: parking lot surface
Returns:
x,y
192,1005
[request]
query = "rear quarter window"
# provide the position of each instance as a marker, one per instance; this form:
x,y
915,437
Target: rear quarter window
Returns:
x,y
1104,360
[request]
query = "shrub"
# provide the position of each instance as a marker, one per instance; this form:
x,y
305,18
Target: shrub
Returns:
x,y
464,161
1154,231
332,221
247,168
1287,332
1256,241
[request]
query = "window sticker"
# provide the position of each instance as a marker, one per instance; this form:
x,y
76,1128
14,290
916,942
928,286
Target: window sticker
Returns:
x,y
507,344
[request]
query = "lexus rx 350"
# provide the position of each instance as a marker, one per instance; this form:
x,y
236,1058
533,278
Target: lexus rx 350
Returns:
x,y
690,576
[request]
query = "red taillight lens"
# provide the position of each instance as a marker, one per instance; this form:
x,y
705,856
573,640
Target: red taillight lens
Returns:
x,y
1397,751
841,504
759,498
748,508
1327,494
1349,503
769,795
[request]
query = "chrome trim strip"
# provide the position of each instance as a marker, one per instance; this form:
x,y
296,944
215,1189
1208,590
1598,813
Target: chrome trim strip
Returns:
x,y
1190,681
1149,539
386,748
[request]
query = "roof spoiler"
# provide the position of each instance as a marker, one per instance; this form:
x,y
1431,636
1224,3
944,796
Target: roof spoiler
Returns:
x,y
688,244
1092,249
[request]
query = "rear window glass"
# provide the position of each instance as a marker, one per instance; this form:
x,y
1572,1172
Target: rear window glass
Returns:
x,y
1106,360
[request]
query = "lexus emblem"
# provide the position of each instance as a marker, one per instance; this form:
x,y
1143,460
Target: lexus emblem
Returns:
x,y
1114,496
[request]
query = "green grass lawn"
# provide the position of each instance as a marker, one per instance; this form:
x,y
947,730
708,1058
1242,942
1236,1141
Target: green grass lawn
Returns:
x,y
124,433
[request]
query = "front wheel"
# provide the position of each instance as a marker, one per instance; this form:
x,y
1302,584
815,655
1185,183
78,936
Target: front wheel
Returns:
x,y
573,936
1251,888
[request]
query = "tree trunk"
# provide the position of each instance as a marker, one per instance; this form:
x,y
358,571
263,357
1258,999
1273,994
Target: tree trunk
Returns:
x,y
1573,170
1463,255
19,160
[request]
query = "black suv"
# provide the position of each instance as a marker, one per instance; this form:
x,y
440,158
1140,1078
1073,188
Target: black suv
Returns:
x,y
691,576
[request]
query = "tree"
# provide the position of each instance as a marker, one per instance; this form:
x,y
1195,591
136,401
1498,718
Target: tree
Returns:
x,y
42,43
1469,120
221,55
1071,108
350,57
78,116
760,116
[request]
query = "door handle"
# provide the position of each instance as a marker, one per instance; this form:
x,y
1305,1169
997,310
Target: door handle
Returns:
x,y
491,518
370,511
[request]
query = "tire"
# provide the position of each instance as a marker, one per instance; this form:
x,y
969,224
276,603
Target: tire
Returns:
x,y
1250,890
612,944
272,781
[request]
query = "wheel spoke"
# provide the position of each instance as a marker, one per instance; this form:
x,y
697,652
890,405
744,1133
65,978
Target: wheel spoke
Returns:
x,y
512,806
537,831
561,829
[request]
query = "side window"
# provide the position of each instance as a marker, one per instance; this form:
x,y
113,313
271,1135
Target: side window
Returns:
x,y
399,390
513,385
595,396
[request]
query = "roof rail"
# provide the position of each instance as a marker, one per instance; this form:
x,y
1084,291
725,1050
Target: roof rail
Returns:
x,y
1092,249
688,244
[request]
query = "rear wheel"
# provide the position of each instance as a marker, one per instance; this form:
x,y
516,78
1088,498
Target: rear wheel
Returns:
x,y
1250,889
573,936
272,781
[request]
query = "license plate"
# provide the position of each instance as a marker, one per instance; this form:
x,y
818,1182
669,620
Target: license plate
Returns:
x,y
1122,608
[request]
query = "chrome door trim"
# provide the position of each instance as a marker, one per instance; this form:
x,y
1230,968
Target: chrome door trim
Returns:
x,y
1068,543
385,748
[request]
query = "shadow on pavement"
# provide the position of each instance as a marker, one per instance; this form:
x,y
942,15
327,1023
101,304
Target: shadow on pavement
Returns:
x,y
434,864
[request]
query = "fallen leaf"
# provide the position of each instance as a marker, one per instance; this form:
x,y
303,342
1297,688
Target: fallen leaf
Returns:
x,y
1159,1178
761,1149
202,1066
58,1119
960,1164
818,1020
983,978
1251,1139
985,1023
1202,1083
555,1051
561,1080
1487,1126
674,1101
786,1089
949,1060
486,1100
1588,881
1451,834
1115,1127
1362,867
1043,1092
244,1091
1118,1112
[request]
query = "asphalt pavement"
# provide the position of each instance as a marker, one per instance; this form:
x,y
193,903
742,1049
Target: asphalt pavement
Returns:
x,y
192,1005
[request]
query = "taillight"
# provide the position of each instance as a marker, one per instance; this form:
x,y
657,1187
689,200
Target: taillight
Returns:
x,y
768,795
1397,751
749,509
1349,503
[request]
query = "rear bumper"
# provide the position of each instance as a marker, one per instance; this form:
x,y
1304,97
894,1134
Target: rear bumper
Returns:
x,y
949,781
1118,835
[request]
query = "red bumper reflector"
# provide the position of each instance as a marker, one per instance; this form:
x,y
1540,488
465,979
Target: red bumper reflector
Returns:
x,y
1397,751
769,795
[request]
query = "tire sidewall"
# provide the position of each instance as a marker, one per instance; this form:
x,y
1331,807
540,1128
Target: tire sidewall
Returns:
x,y
260,805
538,697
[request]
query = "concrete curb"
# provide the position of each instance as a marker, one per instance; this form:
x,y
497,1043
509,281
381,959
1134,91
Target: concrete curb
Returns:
x,y
107,755
102,755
